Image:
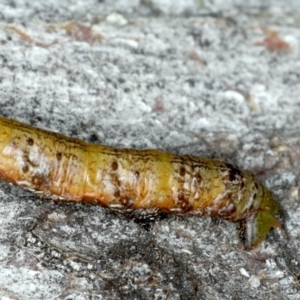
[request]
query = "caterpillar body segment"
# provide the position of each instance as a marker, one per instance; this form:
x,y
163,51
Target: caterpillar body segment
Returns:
x,y
59,167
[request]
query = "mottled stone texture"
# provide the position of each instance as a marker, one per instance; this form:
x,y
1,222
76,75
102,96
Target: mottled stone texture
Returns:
x,y
213,78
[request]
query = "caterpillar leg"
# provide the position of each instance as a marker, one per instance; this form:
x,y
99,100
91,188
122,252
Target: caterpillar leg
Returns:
x,y
145,217
255,228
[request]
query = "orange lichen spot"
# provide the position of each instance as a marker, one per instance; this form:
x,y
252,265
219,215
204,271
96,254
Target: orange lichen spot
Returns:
x,y
274,42
79,31
158,105
195,56
27,38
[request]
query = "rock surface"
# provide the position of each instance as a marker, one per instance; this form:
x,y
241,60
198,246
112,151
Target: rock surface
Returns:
x,y
213,78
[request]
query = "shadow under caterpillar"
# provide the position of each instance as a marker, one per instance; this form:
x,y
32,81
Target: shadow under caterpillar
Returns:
x,y
63,168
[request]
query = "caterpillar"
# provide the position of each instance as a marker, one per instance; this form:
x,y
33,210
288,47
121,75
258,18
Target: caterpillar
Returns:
x,y
63,168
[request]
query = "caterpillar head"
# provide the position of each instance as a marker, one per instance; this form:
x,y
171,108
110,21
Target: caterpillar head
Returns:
x,y
254,228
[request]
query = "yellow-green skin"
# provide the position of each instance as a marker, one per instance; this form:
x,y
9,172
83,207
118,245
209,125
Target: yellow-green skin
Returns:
x,y
64,168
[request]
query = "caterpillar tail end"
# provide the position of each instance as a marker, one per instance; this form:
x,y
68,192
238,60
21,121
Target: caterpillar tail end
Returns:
x,y
256,227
